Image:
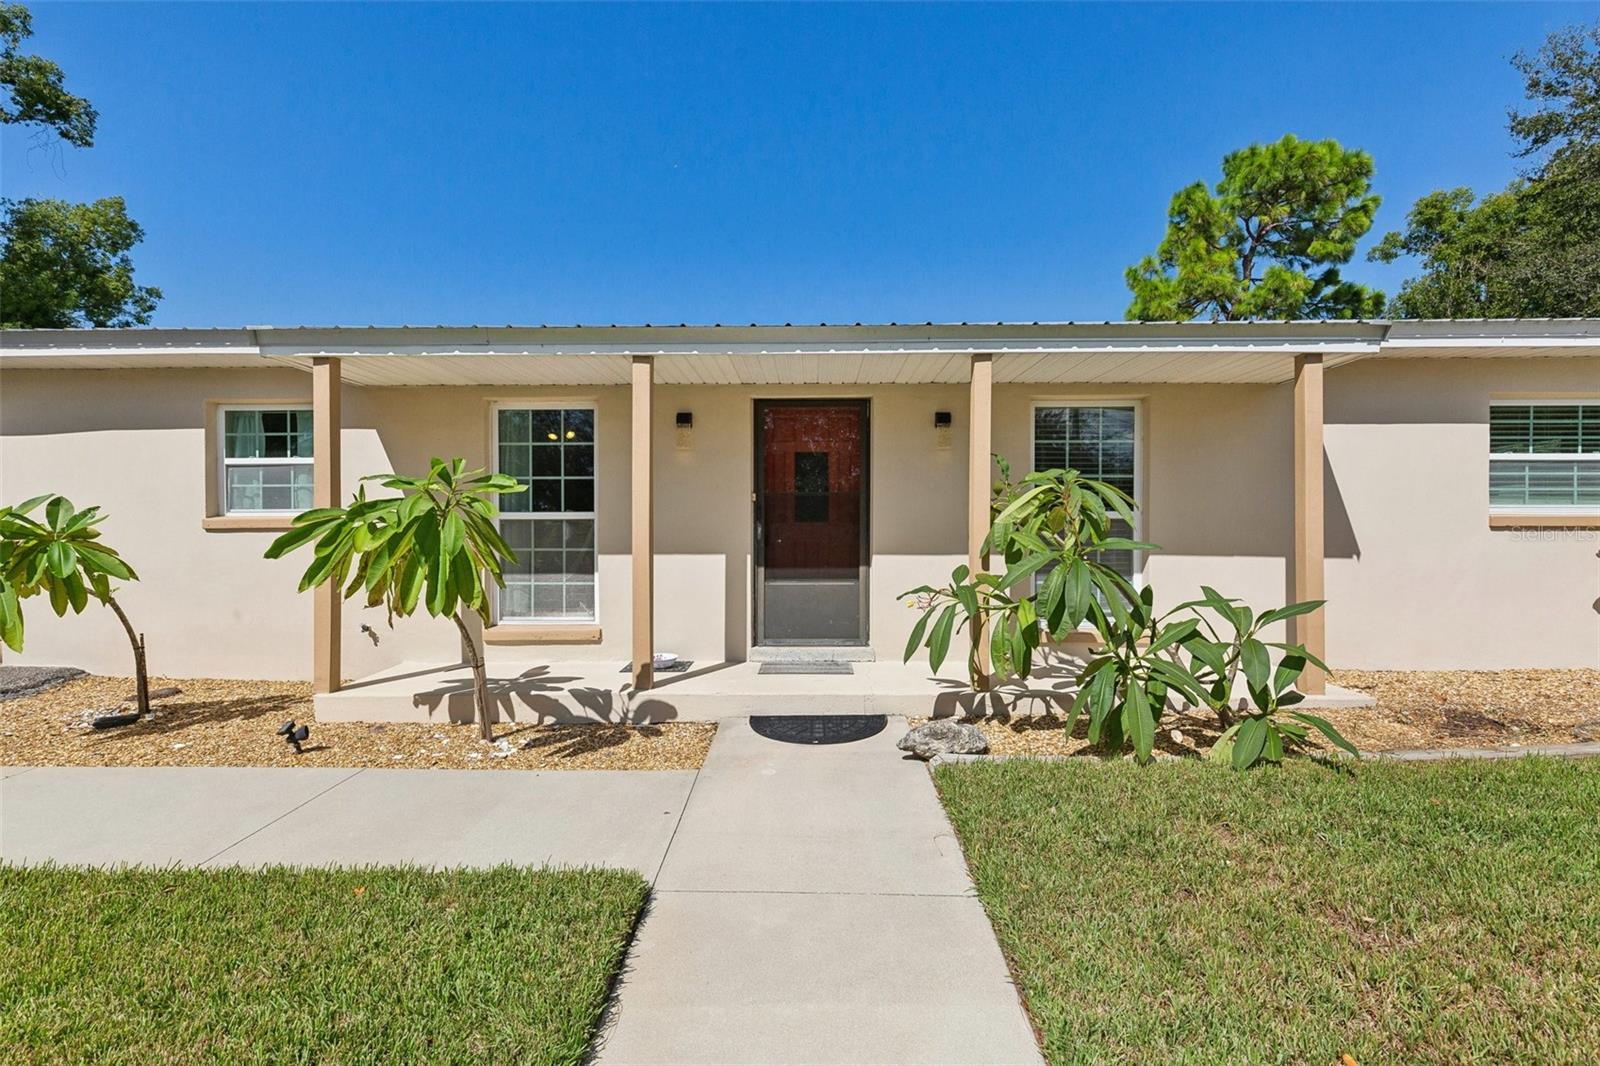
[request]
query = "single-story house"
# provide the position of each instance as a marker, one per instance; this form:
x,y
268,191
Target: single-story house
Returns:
x,y
756,499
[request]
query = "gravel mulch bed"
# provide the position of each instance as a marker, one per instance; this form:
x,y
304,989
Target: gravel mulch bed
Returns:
x,y
1429,709
234,723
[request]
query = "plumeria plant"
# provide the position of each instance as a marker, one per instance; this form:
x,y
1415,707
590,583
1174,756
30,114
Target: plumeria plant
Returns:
x,y
431,546
1054,521
63,558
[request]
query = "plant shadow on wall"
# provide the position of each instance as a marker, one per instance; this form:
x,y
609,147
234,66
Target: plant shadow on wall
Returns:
x,y
1053,529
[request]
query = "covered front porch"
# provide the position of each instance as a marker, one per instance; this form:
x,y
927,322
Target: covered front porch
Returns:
x,y
541,677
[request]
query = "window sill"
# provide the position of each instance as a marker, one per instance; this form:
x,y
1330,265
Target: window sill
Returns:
x,y
246,523
541,633
1534,520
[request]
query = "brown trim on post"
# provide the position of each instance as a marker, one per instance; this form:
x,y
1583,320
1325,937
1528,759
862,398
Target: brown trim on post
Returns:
x,y
643,547
1309,629
980,447
327,418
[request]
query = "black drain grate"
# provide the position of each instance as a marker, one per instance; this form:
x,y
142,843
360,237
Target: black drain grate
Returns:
x,y
818,728
806,668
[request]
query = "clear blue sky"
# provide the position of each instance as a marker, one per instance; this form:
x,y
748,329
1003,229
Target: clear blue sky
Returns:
x,y
298,164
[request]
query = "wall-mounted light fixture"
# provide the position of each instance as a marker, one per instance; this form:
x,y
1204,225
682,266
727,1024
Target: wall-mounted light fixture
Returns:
x,y
685,426
941,429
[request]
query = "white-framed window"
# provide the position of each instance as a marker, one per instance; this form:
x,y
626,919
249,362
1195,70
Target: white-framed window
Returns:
x,y
1544,456
265,461
550,524
1099,439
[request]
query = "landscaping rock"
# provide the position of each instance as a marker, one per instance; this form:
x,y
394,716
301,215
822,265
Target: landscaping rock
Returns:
x,y
19,681
944,737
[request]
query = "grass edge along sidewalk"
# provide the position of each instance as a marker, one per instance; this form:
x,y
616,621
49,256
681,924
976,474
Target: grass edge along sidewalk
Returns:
x,y
1182,912
357,964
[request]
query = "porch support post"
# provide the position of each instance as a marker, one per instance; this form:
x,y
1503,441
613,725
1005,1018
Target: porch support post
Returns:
x,y
326,420
643,528
1308,629
980,419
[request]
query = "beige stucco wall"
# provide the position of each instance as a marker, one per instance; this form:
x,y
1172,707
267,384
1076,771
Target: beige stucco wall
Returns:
x,y
1415,576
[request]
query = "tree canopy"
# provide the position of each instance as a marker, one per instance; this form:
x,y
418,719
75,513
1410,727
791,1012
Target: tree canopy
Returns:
x,y
66,265
1267,242
32,88
1532,249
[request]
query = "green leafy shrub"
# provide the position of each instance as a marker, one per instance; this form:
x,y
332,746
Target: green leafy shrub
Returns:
x,y
430,546
63,558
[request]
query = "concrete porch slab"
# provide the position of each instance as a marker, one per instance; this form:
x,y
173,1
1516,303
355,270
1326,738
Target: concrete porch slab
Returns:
x,y
598,691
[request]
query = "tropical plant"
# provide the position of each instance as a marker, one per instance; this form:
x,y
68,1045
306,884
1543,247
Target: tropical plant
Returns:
x,y
1268,731
1226,642
63,558
430,546
1125,686
1228,638
1052,520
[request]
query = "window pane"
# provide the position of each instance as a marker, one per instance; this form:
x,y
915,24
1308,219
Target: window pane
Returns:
x,y
546,426
1555,429
579,426
546,494
516,600
578,460
514,460
1510,428
301,446
549,601
579,495
552,453
580,532
1557,483
268,487
515,427
244,488
546,461
267,434
1098,442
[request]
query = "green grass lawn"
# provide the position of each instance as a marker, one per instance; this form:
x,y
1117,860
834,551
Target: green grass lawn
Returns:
x,y
373,965
1398,913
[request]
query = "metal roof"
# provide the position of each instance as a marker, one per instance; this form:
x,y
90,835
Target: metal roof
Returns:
x,y
1042,352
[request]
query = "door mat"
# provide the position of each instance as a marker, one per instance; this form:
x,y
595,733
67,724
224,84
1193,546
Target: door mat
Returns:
x,y
806,668
817,728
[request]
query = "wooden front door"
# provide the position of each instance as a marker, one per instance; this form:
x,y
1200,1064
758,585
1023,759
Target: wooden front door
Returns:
x,y
811,521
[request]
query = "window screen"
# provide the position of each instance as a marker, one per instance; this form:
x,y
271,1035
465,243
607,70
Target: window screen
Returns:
x,y
1544,456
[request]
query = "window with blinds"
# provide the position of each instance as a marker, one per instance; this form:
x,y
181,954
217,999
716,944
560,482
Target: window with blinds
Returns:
x,y
1098,441
1544,456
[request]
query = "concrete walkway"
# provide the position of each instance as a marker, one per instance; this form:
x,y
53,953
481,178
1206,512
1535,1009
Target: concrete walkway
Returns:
x,y
814,907
811,904
208,816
